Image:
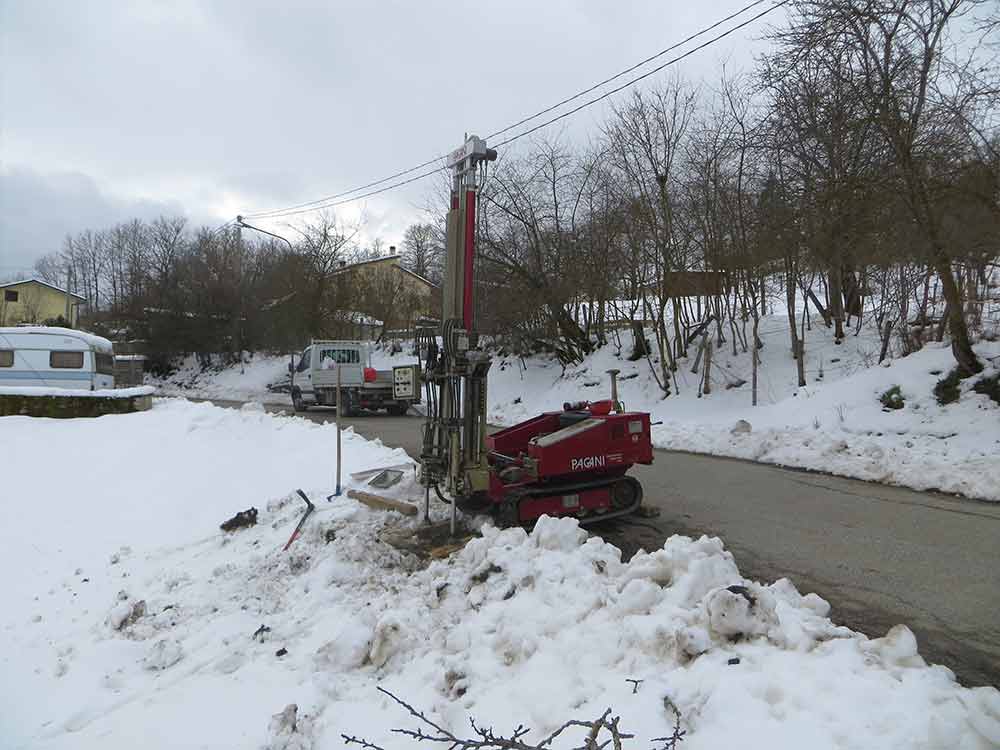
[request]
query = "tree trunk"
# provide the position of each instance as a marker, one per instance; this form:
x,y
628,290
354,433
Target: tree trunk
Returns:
x,y
837,303
885,340
961,344
756,359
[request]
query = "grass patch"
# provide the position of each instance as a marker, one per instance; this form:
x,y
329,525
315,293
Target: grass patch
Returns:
x,y
989,386
892,398
947,391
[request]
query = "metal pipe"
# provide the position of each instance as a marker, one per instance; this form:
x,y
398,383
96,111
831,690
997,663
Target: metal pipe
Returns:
x,y
337,492
470,252
615,403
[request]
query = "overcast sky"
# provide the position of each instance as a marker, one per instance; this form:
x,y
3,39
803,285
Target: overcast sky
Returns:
x,y
110,110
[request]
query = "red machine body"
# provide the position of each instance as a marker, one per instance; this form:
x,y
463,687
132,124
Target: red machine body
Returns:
x,y
570,463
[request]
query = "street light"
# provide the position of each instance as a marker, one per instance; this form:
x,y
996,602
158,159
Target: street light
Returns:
x,y
241,223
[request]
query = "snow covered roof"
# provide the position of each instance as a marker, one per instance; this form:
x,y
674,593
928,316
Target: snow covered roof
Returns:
x,y
359,263
34,280
383,259
97,342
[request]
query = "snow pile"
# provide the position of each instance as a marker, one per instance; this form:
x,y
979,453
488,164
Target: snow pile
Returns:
x,y
132,616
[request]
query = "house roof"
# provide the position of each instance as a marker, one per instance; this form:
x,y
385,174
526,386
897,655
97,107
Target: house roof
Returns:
x,y
43,283
383,259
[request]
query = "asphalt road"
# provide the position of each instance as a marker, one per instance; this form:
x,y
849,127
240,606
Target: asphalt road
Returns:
x,y
880,555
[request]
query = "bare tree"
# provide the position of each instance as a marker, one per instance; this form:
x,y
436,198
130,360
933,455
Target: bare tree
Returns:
x,y
422,250
895,51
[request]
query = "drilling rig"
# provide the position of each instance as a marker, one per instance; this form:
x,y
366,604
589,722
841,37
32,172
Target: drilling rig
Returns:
x,y
567,462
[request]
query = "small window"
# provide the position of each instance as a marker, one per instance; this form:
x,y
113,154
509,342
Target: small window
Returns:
x,y
6,358
105,364
304,361
66,360
10,295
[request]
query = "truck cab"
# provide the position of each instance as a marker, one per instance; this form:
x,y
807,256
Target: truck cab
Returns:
x,y
314,379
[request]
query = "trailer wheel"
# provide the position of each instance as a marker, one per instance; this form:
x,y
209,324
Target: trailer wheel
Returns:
x,y
625,493
297,403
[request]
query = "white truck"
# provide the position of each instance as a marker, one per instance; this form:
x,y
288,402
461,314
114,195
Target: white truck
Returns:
x,y
314,379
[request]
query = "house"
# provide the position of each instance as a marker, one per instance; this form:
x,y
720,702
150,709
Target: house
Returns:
x,y
36,301
383,290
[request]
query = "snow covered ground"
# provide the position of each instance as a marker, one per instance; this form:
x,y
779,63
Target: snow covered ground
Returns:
x,y
246,382
129,617
834,424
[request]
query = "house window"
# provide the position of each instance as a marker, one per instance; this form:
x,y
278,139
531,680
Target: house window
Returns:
x,y
66,360
10,295
105,364
6,358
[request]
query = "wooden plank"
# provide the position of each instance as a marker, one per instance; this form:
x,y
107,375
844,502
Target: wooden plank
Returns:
x,y
383,503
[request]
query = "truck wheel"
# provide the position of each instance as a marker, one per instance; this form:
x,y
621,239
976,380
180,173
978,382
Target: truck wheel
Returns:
x,y
347,408
397,410
297,403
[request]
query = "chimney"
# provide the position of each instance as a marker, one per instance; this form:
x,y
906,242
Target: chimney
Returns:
x,y
392,249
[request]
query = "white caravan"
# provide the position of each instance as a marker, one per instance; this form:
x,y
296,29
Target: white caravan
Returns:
x,y
51,357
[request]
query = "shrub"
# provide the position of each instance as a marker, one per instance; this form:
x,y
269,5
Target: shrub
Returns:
x,y
989,386
892,398
946,391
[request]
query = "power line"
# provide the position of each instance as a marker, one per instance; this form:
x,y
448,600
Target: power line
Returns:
x,y
635,80
340,198
639,64
355,197
283,211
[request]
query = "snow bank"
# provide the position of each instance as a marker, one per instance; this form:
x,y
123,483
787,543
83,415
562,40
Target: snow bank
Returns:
x,y
248,381
834,424
131,615
13,390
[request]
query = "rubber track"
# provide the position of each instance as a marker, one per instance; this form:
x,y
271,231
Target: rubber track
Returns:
x,y
593,518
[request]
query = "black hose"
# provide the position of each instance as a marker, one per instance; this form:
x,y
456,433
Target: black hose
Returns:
x,y
441,497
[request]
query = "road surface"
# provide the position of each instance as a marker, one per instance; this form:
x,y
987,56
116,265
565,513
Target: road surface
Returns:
x,y
880,555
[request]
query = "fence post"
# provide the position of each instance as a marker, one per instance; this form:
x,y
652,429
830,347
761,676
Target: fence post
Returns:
x,y
707,389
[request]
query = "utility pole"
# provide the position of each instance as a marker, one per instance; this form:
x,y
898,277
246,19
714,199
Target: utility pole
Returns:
x,y
238,328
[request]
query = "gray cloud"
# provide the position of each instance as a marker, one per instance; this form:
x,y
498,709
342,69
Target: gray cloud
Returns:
x,y
37,211
220,106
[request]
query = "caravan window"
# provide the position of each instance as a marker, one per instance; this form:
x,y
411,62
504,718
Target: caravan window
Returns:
x,y
9,295
6,358
105,364
66,360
